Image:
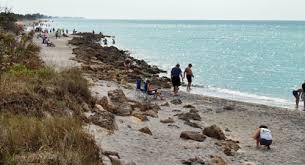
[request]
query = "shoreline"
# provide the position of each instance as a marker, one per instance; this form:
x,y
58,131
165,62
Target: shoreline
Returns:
x,y
238,119
232,95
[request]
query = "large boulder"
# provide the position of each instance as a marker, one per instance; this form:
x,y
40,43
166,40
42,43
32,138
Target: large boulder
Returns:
x,y
119,103
104,119
193,136
214,132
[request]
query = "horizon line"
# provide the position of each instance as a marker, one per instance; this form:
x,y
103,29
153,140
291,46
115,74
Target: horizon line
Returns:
x,y
161,19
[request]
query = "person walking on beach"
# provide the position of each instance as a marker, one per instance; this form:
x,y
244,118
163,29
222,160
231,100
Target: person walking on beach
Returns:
x,y
299,93
263,136
188,72
176,74
113,41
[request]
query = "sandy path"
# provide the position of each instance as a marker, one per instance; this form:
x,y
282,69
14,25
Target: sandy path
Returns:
x,y
59,57
166,148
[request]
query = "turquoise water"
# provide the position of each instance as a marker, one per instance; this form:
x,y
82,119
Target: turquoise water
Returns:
x,y
258,61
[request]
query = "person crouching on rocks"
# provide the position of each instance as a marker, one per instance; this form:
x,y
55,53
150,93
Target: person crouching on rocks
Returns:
x,y
263,136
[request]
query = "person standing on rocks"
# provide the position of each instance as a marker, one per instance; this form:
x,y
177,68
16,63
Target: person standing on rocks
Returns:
x,y
188,72
263,136
176,74
127,64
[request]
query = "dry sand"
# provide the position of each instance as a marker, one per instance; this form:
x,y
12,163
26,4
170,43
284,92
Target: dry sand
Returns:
x,y
165,147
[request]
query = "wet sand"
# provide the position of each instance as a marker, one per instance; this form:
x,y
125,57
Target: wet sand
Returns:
x,y
167,148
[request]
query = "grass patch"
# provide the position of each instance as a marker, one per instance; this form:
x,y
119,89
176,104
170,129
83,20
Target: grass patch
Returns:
x,y
43,92
45,141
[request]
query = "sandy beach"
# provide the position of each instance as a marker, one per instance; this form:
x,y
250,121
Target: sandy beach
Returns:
x,y
238,121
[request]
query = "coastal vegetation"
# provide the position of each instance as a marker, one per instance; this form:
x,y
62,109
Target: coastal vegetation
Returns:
x,y
41,119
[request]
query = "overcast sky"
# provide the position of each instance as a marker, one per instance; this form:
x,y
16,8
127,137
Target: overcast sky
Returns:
x,y
165,9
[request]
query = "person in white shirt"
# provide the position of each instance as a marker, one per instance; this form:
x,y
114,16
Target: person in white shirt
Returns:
x,y
263,136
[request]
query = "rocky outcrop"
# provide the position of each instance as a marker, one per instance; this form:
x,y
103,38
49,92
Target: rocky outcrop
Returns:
x,y
190,135
107,63
145,130
214,132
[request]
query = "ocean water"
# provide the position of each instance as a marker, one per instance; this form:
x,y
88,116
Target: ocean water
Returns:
x,y
255,61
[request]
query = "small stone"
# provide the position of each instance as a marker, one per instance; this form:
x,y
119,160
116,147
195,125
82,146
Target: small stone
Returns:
x,y
165,104
166,121
194,110
227,130
188,106
174,126
192,124
145,130
228,107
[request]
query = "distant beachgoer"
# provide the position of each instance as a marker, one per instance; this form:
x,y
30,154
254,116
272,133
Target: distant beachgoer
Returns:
x,y
299,93
176,74
188,72
56,34
151,90
263,136
67,31
53,30
74,31
93,32
113,41
127,64
105,42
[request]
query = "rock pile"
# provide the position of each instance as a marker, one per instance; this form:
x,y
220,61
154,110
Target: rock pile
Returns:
x,y
107,63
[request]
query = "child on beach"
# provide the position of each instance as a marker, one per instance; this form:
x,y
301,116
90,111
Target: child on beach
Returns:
x,y
189,76
263,136
299,93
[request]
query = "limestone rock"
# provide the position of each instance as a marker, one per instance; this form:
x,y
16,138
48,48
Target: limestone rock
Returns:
x,y
104,119
193,136
193,161
217,160
214,132
165,104
176,101
119,103
167,121
145,130
188,106
189,116
192,124
229,147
